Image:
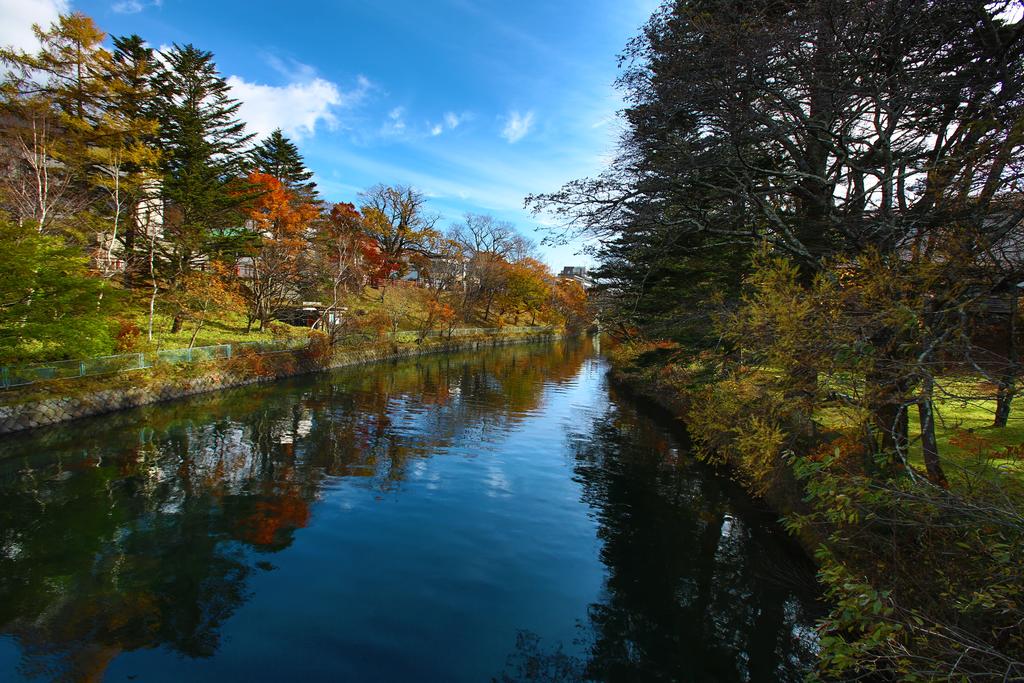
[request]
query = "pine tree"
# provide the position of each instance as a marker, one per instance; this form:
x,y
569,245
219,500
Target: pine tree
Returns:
x,y
203,144
277,156
125,166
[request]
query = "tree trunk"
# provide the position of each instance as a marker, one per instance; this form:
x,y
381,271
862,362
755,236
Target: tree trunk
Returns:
x,y
487,310
1007,384
192,341
1004,400
887,398
929,445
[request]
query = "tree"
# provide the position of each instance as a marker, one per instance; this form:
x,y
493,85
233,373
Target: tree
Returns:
x,y
571,302
273,268
526,289
277,156
488,245
204,294
396,219
203,143
130,176
483,234
776,123
51,306
56,104
340,254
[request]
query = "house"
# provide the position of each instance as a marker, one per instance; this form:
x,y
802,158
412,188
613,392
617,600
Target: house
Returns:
x,y
577,274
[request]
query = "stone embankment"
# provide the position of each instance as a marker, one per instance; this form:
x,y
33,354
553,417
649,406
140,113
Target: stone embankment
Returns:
x,y
57,402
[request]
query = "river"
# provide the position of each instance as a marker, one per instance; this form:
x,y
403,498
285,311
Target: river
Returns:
x,y
504,515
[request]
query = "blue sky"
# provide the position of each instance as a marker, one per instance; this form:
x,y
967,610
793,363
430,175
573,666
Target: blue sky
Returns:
x,y
476,103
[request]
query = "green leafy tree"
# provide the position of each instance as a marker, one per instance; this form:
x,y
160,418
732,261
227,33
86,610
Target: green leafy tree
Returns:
x,y
203,143
51,306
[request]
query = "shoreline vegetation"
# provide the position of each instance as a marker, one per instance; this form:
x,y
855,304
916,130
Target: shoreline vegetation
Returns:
x,y
55,401
885,548
138,212
811,249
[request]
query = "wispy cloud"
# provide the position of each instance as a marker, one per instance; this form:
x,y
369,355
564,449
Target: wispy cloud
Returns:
x,y
517,126
133,6
450,121
394,125
297,107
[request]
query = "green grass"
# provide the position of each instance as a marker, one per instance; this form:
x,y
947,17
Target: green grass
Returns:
x,y
227,328
968,443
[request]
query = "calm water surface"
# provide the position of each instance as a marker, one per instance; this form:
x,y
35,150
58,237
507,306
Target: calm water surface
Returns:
x,y
503,515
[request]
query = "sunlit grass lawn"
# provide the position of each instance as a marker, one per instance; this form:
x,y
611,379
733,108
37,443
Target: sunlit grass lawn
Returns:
x,y
968,442
222,328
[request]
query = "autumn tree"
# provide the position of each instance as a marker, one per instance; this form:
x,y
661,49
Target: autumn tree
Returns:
x,y
526,288
488,246
396,218
342,255
204,295
55,103
570,301
272,270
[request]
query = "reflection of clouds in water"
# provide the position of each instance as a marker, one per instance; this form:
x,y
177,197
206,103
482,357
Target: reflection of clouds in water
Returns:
x,y
497,482
422,471
292,429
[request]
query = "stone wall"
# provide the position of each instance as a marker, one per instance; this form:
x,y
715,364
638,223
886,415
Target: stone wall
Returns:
x,y
130,390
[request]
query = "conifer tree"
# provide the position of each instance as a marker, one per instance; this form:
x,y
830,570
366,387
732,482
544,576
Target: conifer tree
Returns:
x,y
278,157
203,143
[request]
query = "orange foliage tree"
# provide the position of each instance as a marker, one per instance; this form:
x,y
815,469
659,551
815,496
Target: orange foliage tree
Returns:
x,y
271,273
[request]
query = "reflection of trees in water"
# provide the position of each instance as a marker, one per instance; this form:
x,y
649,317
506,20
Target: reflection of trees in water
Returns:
x,y
115,537
696,588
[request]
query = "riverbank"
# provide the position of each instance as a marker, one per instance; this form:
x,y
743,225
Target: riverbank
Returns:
x,y
53,402
912,570
650,374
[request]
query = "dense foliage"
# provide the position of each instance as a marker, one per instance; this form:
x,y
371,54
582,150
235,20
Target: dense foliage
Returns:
x,y
128,169
822,200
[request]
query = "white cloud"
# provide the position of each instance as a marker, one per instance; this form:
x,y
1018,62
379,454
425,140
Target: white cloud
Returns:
x,y
452,120
517,126
395,124
133,6
17,17
127,7
297,107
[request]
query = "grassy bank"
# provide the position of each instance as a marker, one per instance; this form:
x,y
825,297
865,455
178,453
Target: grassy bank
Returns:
x,y
924,581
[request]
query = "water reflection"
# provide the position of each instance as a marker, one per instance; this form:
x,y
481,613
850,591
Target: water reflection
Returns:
x,y
720,597
117,536
148,532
